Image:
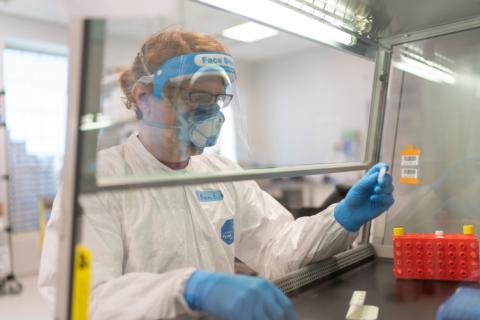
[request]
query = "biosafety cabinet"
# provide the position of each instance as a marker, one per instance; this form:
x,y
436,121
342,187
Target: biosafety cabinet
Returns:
x,y
327,89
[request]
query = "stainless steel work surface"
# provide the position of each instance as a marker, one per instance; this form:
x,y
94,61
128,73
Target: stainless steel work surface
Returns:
x,y
396,299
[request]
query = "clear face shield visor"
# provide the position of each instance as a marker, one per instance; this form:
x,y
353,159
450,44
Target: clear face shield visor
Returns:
x,y
198,87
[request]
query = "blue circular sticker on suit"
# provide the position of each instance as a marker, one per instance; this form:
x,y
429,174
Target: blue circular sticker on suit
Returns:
x,y
226,232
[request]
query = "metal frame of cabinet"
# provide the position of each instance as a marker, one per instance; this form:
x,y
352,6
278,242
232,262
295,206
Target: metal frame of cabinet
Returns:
x,y
86,58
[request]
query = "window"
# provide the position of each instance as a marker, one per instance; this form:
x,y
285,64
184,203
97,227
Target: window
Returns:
x,y
434,99
35,112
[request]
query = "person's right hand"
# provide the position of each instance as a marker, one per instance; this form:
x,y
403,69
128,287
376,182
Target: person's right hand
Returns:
x,y
366,200
237,297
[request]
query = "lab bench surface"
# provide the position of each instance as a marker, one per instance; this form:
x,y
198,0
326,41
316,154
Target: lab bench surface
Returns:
x,y
396,299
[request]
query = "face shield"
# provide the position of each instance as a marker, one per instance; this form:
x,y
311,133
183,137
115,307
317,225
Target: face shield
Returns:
x,y
195,97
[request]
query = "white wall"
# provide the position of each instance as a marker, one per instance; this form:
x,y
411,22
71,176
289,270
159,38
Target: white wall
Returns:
x,y
28,34
299,104
41,34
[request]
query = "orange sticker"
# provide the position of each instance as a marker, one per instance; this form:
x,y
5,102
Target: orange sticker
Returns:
x,y
410,151
409,180
410,161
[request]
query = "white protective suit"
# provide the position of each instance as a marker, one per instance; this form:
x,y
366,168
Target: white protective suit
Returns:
x,y
147,242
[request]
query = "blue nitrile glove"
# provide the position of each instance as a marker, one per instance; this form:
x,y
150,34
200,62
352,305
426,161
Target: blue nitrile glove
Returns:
x,y
366,200
464,304
235,297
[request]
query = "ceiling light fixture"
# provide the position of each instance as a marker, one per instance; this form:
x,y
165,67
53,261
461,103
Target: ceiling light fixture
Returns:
x,y
279,16
423,68
249,32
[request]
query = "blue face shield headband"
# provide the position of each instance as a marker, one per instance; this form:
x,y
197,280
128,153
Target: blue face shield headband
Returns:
x,y
200,127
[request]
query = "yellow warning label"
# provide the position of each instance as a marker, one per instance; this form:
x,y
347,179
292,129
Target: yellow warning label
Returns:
x,y
42,221
81,282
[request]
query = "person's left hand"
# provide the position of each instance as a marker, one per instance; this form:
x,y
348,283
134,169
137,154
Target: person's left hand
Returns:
x,y
366,200
462,305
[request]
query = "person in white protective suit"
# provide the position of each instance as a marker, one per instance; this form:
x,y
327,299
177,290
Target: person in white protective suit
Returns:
x,y
164,253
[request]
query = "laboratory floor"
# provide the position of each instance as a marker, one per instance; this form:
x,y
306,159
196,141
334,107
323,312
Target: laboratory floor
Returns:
x,y
25,306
